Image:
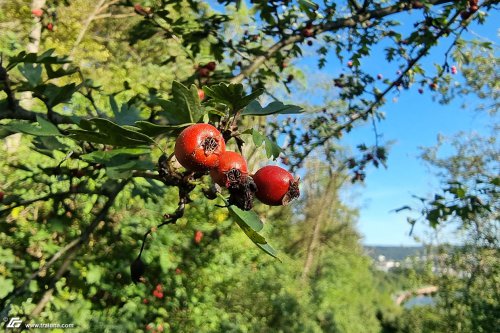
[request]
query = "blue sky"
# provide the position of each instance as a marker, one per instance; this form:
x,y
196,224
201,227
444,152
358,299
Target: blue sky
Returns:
x,y
413,121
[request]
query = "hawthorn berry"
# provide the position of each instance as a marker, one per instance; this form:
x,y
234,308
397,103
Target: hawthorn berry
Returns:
x,y
199,146
308,32
37,12
198,236
158,294
50,27
1,196
453,70
275,186
349,63
203,72
211,66
232,167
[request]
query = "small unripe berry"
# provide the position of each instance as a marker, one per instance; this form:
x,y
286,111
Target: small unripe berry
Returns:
x,y
201,94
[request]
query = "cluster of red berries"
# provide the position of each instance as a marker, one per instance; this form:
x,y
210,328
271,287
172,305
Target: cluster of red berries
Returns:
x,y
38,12
205,70
150,327
158,291
198,236
473,7
201,147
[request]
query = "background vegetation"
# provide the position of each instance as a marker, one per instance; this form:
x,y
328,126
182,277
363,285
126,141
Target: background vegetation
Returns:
x,y
76,206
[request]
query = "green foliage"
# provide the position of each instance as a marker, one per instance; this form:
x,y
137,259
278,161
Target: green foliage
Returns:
x,y
103,99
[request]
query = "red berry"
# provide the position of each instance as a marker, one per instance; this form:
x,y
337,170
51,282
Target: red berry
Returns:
x,y
198,236
232,166
37,12
201,94
160,328
308,32
453,70
199,146
474,8
211,66
1,196
275,186
145,301
149,327
178,271
50,27
159,287
203,72
349,63
158,294
433,86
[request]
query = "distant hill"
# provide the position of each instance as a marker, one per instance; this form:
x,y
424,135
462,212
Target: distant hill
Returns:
x,y
397,253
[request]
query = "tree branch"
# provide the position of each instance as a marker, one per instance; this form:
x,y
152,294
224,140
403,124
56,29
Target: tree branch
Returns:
x,y
68,250
349,22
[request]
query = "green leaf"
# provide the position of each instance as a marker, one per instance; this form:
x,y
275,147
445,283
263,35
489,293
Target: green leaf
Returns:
x,y
255,109
232,95
32,73
121,162
272,148
106,156
184,107
110,133
154,130
250,223
56,95
44,128
249,218
60,72
44,58
127,115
